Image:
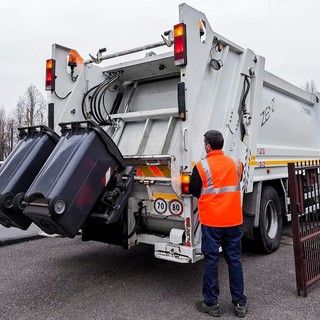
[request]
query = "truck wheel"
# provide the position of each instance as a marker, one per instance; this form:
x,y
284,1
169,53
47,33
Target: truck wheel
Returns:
x,y
269,232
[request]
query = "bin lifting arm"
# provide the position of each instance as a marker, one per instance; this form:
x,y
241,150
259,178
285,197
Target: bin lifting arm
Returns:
x,y
166,42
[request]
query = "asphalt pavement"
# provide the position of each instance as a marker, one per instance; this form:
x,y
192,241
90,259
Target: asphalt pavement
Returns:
x,y
68,279
15,235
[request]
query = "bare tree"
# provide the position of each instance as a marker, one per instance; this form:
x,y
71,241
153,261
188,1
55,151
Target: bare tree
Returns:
x,y
31,108
6,135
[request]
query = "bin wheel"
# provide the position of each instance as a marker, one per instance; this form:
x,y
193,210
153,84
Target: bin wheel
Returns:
x,y
7,201
18,202
57,206
268,234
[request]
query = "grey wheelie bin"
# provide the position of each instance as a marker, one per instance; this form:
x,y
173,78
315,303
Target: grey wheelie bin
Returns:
x,y
19,170
72,180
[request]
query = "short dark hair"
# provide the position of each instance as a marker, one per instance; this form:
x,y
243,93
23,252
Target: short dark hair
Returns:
x,y
214,138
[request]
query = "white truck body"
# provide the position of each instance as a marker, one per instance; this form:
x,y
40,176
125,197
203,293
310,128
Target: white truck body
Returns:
x,y
162,113
280,124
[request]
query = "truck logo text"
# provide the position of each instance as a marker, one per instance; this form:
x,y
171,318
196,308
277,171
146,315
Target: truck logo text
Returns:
x,y
267,112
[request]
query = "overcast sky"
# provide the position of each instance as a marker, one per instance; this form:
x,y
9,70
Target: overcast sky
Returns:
x,y
286,32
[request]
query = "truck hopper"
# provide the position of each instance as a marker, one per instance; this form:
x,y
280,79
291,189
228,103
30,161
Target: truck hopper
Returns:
x,y
73,179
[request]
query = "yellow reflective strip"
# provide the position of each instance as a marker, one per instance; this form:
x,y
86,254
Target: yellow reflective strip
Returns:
x,y
155,171
275,162
253,163
145,170
165,196
165,171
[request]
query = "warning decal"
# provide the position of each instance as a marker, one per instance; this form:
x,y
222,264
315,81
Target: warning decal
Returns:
x,y
154,171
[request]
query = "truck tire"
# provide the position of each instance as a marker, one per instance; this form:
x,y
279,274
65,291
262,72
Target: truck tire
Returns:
x,y
268,234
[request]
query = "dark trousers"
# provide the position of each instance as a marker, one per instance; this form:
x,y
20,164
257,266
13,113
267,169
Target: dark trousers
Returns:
x,y
229,238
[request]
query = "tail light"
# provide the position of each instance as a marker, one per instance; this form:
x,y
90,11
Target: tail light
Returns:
x,y
50,74
180,45
185,182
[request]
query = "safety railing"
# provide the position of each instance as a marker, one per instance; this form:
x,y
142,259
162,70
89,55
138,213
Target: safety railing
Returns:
x,y
304,186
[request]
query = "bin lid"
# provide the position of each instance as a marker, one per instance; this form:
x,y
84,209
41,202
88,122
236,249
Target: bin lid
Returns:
x,y
74,127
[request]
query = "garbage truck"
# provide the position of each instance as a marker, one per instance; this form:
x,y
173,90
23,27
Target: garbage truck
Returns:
x,y
127,129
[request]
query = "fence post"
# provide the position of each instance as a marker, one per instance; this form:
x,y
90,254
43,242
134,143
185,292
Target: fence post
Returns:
x,y
295,210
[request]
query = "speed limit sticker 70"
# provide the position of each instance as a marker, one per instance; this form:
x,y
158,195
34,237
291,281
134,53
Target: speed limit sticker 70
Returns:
x,y
160,205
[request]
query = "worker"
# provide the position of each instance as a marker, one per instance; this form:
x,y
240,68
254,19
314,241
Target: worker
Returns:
x,y
215,181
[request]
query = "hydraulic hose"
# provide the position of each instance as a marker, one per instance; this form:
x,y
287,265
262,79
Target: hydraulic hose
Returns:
x,y
246,89
98,108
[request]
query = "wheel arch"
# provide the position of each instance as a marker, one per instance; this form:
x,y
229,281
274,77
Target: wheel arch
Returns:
x,y
278,185
252,201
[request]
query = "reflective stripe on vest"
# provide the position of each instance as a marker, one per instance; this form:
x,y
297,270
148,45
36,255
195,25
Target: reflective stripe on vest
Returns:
x,y
210,187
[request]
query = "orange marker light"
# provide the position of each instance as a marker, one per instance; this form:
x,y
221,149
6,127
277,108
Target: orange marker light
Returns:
x,y
179,30
72,61
185,181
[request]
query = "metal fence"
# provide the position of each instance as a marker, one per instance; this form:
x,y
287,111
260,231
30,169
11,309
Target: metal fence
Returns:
x,y
304,186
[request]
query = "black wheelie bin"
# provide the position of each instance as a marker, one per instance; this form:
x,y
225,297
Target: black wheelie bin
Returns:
x,y
19,170
73,179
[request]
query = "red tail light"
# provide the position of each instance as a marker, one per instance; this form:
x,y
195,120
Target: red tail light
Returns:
x,y
180,45
50,74
185,181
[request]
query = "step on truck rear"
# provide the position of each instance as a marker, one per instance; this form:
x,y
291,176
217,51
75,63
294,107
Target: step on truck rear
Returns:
x,y
154,109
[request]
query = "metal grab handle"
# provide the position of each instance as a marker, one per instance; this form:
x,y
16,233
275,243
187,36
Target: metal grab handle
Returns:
x,y
185,136
153,163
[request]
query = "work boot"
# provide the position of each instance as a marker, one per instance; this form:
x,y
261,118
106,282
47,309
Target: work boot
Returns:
x,y
213,310
240,310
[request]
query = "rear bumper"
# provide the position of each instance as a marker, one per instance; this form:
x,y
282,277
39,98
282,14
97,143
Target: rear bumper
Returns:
x,y
177,253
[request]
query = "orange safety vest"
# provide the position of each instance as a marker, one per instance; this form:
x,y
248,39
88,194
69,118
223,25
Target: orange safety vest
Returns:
x,y
220,201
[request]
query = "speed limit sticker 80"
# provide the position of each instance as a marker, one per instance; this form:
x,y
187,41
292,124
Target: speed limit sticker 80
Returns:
x,y
173,207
